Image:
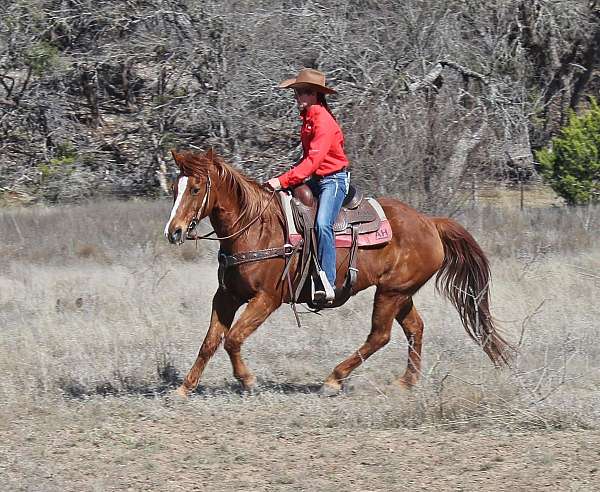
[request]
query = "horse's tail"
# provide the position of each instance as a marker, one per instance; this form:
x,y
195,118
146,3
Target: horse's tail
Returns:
x,y
464,278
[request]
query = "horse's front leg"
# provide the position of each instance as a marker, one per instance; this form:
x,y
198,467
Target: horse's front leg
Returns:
x,y
258,309
224,307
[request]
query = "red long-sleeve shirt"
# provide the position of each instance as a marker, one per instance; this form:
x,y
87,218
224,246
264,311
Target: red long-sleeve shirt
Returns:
x,y
322,144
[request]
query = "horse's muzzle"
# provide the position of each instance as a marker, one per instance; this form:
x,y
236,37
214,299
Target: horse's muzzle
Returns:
x,y
176,237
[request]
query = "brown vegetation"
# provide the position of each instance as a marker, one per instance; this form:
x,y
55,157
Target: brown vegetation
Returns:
x,y
93,96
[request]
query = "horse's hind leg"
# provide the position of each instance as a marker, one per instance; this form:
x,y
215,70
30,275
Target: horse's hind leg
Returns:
x,y
385,308
258,309
412,324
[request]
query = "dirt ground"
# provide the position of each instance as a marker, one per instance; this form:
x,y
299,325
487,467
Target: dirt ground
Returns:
x,y
274,441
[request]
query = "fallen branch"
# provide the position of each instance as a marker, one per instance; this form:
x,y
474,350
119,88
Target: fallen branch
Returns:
x,y
432,78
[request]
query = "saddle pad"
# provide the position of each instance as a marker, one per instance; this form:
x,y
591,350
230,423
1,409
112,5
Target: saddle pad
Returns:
x,y
381,235
343,239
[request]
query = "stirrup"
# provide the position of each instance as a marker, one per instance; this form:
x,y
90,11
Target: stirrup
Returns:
x,y
325,292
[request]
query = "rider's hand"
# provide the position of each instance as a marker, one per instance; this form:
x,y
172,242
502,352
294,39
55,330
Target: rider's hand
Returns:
x,y
274,184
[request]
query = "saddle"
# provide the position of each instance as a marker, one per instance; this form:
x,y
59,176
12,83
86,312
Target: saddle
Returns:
x,y
361,222
356,212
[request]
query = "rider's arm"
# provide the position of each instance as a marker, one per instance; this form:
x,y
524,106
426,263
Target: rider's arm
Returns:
x,y
320,143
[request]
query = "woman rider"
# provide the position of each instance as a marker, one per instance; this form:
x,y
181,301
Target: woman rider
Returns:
x,y
323,166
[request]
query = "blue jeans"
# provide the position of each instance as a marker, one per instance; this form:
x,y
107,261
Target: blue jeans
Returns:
x,y
331,191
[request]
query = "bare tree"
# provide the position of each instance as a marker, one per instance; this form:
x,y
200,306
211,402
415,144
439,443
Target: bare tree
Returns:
x,y
93,95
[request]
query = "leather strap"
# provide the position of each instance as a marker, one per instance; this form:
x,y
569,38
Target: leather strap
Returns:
x,y
343,294
226,261
288,259
261,254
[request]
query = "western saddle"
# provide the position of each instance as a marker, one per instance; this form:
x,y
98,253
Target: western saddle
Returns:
x,y
357,216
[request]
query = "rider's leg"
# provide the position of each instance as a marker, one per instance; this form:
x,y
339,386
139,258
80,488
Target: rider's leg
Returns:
x,y
333,190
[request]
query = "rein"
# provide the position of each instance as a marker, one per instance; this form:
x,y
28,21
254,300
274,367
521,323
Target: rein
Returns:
x,y
203,205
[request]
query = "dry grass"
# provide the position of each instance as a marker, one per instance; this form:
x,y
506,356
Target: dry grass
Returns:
x,y
100,317
102,305
535,195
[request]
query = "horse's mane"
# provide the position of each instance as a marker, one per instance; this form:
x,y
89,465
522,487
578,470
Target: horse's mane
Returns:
x,y
252,196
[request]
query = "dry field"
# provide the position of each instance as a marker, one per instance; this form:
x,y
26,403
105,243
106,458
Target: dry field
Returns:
x,y
99,318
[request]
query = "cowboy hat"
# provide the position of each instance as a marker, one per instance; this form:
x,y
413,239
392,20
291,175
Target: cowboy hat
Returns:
x,y
309,78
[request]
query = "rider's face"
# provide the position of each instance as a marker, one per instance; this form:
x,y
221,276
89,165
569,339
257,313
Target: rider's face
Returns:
x,y
305,98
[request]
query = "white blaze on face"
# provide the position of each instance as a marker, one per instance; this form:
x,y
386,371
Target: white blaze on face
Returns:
x,y
181,186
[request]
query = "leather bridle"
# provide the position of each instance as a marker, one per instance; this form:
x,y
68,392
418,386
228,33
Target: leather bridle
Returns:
x,y
199,215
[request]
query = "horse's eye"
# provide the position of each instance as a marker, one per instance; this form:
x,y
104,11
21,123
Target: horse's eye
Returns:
x,y
195,191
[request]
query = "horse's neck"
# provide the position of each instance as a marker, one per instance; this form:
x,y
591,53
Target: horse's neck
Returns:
x,y
225,214
225,219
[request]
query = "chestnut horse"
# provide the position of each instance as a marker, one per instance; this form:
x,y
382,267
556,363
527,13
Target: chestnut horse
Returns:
x,y
248,218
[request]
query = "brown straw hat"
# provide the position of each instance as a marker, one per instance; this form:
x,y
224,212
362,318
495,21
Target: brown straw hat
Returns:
x,y
310,78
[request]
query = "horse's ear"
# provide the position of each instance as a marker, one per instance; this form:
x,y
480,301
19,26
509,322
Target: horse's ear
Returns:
x,y
210,155
178,158
214,160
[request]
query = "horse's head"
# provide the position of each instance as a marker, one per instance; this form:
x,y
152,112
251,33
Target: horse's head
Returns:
x,y
192,200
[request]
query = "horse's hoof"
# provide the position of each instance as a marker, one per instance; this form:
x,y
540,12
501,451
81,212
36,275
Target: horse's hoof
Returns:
x,y
250,390
328,390
406,384
181,393
249,384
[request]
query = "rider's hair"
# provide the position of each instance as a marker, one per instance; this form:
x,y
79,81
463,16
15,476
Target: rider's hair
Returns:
x,y
323,102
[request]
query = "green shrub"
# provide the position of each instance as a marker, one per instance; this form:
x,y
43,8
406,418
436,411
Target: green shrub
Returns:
x,y
572,164
60,164
41,57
